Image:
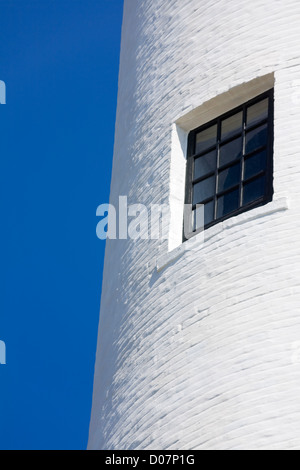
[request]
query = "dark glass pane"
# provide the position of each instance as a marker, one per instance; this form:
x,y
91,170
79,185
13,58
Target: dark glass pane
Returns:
x,y
209,212
257,112
204,189
205,164
232,125
198,217
206,139
228,203
256,138
231,151
229,177
254,190
255,164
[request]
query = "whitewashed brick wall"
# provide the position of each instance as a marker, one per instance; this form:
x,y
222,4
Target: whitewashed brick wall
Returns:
x,y
204,354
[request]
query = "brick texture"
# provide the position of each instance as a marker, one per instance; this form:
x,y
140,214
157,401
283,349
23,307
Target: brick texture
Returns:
x,y
204,354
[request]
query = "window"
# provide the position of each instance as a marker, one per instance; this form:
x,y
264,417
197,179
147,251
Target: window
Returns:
x,y
229,162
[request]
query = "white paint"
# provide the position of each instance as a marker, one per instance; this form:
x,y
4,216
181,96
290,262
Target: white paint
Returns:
x,y
204,353
177,185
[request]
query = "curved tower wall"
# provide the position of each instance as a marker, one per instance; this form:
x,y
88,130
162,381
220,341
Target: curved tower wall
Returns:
x,y
200,348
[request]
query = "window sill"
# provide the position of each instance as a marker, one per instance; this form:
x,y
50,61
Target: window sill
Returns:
x,y
276,205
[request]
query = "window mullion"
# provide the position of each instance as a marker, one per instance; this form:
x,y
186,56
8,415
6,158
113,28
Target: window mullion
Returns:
x,y
235,196
243,158
217,167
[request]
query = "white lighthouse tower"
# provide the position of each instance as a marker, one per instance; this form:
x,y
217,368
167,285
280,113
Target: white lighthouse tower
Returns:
x,y
199,341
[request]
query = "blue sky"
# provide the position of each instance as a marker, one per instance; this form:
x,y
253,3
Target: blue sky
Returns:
x,y
59,60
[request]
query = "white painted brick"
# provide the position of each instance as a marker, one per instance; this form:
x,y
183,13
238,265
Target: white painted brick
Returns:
x,y
203,354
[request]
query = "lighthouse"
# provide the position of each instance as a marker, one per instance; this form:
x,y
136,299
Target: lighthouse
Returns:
x,y
199,331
